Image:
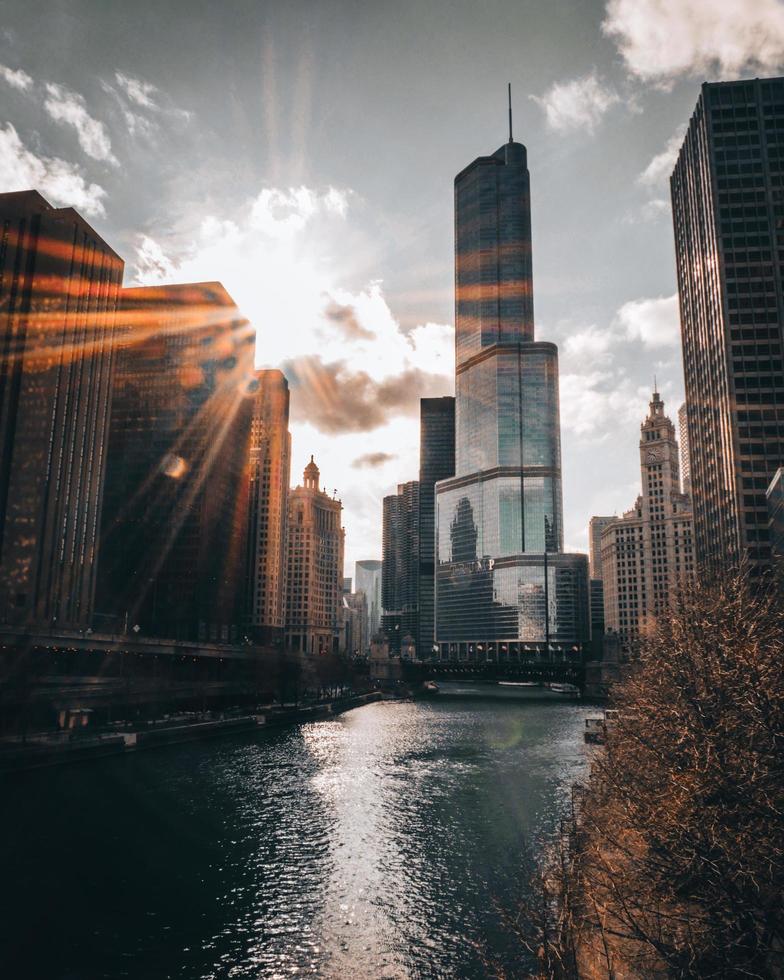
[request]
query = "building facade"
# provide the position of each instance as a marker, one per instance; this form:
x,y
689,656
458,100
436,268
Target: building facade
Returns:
x,y
367,579
503,583
683,432
173,557
400,567
648,554
314,577
728,209
595,527
270,476
436,462
59,287
775,498
354,639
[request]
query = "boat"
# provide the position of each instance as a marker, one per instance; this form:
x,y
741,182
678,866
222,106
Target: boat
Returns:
x,y
559,688
430,689
596,728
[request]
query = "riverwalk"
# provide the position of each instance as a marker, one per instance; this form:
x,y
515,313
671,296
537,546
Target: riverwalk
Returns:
x,y
44,749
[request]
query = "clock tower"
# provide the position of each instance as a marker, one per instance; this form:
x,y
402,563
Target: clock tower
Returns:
x,y
647,554
659,462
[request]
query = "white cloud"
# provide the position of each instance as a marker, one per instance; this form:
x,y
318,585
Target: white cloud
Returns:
x,y
589,348
661,40
16,78
652,322
69,108
597,403
578,104
661,166
138,91
655,209
20,170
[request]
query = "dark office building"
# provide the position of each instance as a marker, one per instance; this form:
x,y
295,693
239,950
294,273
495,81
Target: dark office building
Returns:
x,y
775,500
173,557
436,462
400,567
728,212
59,283
503,584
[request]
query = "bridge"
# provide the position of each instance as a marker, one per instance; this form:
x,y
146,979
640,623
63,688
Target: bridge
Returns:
x,y
545,671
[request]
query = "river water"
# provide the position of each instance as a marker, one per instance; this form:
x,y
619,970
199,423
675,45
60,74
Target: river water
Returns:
x,y
377,845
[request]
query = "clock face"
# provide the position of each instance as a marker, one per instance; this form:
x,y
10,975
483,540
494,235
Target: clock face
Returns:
x,y
653,456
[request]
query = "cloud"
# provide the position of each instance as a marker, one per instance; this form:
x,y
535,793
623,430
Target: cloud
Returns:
x,y
152,263
661,40
372,460
16,78
662,165
345,318
655,209
578,104
596,403
335,398
69,108
589,347
20,169
138,91
653,322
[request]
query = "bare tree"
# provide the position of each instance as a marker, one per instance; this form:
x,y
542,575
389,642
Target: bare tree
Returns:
x,y
676,865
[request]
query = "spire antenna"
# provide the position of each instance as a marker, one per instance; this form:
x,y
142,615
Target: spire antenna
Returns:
x,y
509,91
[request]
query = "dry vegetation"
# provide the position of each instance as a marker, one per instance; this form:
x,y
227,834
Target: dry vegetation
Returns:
x,y
674,865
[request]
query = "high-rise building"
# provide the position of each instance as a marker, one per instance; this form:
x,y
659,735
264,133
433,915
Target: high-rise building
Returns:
x,y
595,527
270,475
314,577
597,617
502,579
173,558
648,554
59,283
436,462
400,567
367,579
354,640
683,432
728,209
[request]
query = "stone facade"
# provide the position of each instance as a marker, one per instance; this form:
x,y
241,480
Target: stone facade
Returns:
x,y
647,554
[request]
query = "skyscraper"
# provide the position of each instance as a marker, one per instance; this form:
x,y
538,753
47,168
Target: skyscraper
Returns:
x,y
728,210
314,576
270,473
59,283
436,462
502,578
647,555
173,558
595,527
400,566
367,579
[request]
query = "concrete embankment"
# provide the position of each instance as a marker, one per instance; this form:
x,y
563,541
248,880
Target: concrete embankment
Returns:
x,y
39,751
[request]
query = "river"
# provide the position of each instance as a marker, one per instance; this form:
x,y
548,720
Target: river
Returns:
x,y
377,845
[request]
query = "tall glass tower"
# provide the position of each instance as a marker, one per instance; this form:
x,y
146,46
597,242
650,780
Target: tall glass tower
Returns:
x,y
503,585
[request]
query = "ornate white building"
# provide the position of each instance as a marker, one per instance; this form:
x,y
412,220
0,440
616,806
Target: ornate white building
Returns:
x,y
648,553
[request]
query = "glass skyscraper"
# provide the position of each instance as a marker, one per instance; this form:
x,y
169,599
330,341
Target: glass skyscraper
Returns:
x,y
728,214
503,585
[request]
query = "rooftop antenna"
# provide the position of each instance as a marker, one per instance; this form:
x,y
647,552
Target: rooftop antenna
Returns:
x,y
509,90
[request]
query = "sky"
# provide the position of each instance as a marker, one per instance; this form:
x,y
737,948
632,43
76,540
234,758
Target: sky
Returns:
x,y
303,153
